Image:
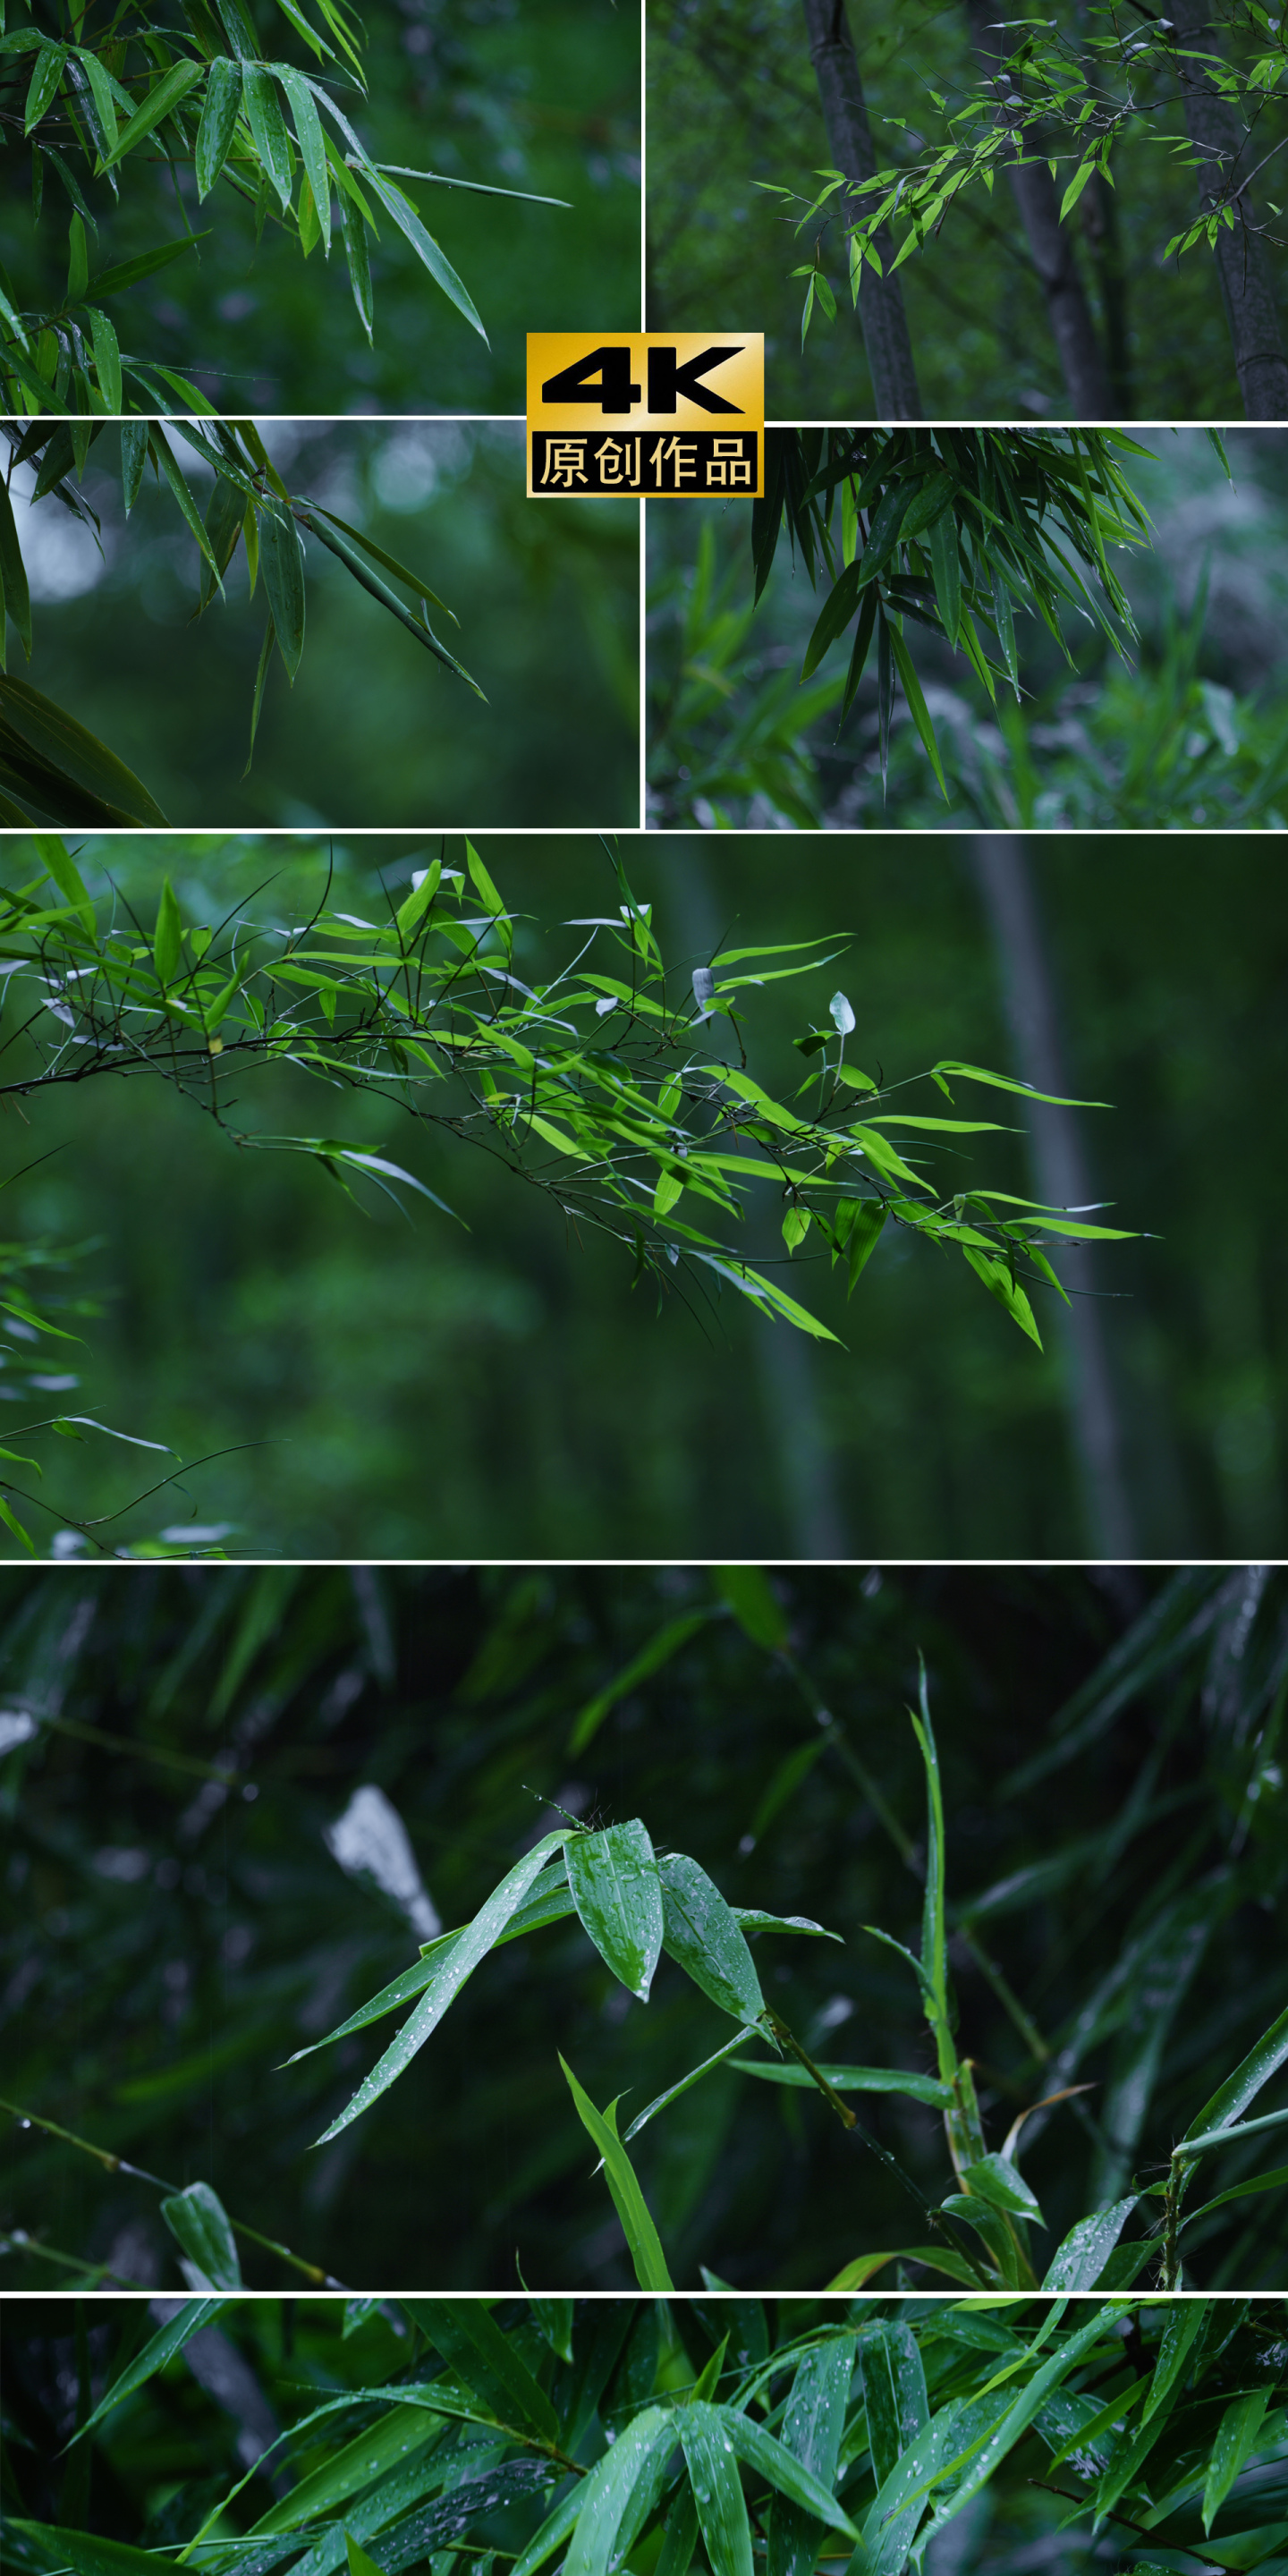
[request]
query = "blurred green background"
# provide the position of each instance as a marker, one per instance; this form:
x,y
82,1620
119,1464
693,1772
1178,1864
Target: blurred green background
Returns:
x,y
374,730
732,99
1111,1746
543,96
1190,731
422,1390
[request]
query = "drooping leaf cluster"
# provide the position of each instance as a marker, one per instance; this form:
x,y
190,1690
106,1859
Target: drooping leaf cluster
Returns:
x,y
208,97
956,530
716,2434
52,769
614,1092
178,1748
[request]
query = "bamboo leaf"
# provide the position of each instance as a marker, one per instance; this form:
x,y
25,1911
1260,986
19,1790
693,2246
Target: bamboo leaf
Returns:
x,y
615,1887
196,2217
459,1963
703,1938
628,2199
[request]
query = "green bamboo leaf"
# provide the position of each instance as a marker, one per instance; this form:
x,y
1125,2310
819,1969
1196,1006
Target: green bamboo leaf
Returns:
x,y
1183,2323
946,572
917,703
354,232
401,2432
282,558
220,111
167,465
196,2217
615,1887
1236,2440
771,2460
1078,2263
550,1902
359,2563
661,2101
620,2493
268,129
424,245
102,92
330,537
658,1651
850,2079
1275,2181
461,1961
989,2452
628,2199
863,2267
748,1592
999,1283
1003,1082
554,2319
191,2317
996,2179
813,2423
107,358
1231,2099
167,944
717,2489
389,562
46,75
1076,185
308,134
7,1515
81,2551
411,913
265,650
894,2392
702,1937
169,93
56,857
113,281
552,2533
473,2345
71,775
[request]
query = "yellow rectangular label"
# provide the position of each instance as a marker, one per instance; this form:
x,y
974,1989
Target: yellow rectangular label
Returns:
x,y
663,413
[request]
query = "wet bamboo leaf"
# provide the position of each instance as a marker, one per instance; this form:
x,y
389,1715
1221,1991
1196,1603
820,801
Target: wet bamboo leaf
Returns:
x,y
221,108
813,2423
618,2496
894,2391
628,2199
1184,2322
171,2339
702,1937
717,2489
615,1887
473,2344
464,1957
1079,2262
282,559
849,2079
783,2469
197,2219
1236,2440
167,944
169,93
62,867
268,128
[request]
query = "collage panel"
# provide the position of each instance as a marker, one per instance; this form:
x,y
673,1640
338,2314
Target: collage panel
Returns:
x,y
678,1200
869,1930
1057,214
310,206
221,626
1040,631
644,2432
